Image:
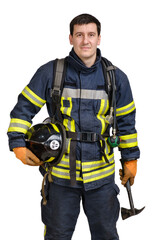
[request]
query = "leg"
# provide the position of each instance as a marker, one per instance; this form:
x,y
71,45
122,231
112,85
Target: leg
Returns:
x,y
102,209
61,212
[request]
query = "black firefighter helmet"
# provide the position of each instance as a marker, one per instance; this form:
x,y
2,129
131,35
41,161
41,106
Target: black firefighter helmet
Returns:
x,y
47,141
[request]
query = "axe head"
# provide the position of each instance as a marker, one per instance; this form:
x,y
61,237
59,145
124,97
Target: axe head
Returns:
x,y
126,213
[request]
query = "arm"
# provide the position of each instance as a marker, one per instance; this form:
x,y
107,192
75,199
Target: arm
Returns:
x,y
125,114
30,101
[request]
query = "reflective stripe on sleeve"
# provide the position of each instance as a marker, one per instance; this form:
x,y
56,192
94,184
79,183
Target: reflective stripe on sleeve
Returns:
x,y
126,109
128,141
32,97
19,125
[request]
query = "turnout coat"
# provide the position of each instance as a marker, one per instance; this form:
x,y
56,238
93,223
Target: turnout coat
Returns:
x,y
84,106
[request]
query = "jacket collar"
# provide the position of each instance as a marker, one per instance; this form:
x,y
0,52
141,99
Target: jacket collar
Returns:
x,y
79,65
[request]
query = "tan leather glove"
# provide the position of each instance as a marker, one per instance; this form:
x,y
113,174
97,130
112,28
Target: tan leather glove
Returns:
x,y
26,156
130,170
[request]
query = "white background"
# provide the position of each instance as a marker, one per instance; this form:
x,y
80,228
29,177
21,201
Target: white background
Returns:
x,y
34,32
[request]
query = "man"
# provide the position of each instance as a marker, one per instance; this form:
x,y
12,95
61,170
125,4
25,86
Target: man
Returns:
x,y
84,106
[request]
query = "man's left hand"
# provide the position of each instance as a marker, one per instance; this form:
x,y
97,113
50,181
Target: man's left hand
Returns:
x,y
129,172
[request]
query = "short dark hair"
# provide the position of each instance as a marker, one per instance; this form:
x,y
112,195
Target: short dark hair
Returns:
x,y
84,19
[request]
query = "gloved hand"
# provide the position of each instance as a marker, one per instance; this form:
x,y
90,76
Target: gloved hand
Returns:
x,y
26,156
129,172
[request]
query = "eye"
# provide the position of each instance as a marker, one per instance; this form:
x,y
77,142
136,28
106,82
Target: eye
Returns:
x,y
79,35
92,34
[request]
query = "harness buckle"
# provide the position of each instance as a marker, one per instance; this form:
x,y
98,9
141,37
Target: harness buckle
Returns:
x,y
87,137
55,94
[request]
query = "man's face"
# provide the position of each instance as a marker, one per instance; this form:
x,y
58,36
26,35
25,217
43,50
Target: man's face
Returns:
x,y
85,40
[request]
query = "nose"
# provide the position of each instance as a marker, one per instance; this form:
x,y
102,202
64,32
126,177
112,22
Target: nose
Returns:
x,y
85,39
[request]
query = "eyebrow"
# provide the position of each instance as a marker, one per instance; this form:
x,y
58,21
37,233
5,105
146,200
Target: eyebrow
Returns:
x,y
82,33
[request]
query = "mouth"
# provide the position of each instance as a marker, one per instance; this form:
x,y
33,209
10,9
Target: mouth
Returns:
x,y
85,48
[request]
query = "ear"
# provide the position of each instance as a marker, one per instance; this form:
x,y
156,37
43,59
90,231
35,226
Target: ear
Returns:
x,y
70,39
99,40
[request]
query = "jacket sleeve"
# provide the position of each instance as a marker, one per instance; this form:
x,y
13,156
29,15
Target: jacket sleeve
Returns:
x,y
30,101
125,114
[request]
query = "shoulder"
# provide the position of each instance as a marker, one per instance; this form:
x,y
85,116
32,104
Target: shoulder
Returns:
x,y
47,68
121,77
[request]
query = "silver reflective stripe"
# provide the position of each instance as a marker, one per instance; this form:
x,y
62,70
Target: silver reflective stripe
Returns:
x,y
125,109
91,166
18,125
65,163
34,99
84,93
63,173
95,175
129,140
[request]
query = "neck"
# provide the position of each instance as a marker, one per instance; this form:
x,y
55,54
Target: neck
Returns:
x,y
88,62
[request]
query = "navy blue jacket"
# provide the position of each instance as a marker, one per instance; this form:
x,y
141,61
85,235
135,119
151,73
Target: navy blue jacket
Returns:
x,y
84,106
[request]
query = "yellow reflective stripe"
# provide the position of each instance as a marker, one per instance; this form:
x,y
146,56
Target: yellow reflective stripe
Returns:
x,y
65,174
45,230
69,124
128,141
107,150
68,143
97,175
89,166
55,127
19,125
110,158
101,114
65,162
126,109
50,159
32,97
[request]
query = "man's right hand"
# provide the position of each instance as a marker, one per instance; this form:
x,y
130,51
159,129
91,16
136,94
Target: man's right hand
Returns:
x,y
26,156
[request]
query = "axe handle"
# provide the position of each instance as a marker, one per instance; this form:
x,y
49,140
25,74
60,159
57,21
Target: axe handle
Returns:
x,y
128,187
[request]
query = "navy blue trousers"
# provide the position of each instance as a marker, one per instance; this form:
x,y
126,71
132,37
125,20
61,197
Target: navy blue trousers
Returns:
x,y
101,207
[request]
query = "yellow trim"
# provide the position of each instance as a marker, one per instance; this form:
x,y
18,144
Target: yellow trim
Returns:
x,y
65,163
55,127
129,144
101,114
94,167
17,120
17,129
20,128
125,107
50,159
99,172
35,96
45,230
68,123
66,174
130,136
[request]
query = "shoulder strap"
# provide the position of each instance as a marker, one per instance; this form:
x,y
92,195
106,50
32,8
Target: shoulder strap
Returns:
x,y
59,72
108,71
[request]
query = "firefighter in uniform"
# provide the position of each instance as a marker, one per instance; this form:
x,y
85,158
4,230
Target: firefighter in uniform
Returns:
x,y
84,105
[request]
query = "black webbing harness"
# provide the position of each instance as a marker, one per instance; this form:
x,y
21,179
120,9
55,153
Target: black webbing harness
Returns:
x,y
60,67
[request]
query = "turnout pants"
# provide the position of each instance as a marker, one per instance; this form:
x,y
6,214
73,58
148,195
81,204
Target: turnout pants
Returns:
x,y
101,207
